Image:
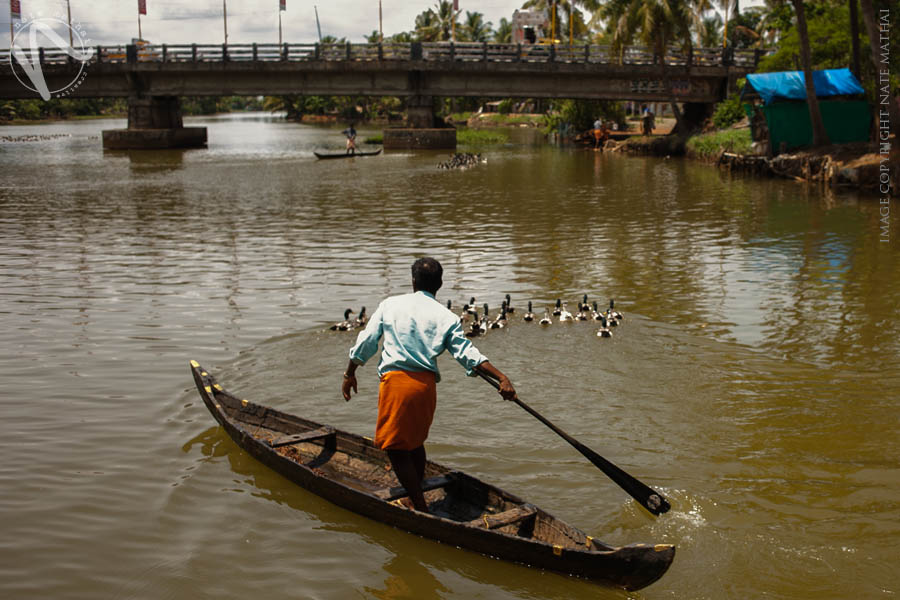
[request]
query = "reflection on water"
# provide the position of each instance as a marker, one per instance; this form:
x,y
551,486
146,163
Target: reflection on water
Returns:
x,y
752,381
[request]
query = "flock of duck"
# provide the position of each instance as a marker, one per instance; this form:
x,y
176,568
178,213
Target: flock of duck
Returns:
x,y
462,160
476,324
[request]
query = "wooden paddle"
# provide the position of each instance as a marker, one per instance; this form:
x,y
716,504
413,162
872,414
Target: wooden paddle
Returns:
x,y
649,498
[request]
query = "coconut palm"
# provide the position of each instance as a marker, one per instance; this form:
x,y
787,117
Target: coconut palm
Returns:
x,y
474,27
503,33
820,136
709,31
436,24
657,24
563,8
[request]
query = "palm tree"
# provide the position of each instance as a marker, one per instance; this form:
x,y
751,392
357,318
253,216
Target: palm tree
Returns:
x,y
503,33
658,24
474,28
709,31
562,7
437,25
820,136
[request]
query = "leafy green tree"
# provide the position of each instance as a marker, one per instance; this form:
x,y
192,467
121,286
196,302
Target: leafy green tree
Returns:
x,y
436,24
563,8
656,23
709,34
475,29
503,33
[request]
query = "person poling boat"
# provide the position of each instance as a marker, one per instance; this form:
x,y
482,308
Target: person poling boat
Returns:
x,y
350,132
414,329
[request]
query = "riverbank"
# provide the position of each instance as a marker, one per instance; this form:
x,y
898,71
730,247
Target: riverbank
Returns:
x,y
858,165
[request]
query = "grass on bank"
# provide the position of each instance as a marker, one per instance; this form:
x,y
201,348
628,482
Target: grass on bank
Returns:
x,y
708,145
481,137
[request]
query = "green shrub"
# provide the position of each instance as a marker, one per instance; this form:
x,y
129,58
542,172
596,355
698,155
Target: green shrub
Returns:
x,y
728,112
505,106
710,144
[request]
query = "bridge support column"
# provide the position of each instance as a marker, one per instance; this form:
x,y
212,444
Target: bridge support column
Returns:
x,y
421,131
154,123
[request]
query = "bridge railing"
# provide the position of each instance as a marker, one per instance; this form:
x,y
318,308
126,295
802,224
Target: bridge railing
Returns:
x,y
423,51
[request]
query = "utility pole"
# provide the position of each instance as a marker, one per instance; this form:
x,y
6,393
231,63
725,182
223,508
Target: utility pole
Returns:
x,y
380,27
282,6
319,27
69,10
225,20
453,11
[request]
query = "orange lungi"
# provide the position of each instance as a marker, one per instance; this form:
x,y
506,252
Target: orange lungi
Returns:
x,y
406,403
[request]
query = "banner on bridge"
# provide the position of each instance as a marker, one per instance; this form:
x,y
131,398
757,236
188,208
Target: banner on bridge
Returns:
x,y
142,7
282,4
15,10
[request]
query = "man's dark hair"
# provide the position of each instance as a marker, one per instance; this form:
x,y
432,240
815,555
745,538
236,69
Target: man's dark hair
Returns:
x,y
427,275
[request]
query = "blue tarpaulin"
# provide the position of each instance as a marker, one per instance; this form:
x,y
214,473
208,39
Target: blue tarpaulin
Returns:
x,y
790,85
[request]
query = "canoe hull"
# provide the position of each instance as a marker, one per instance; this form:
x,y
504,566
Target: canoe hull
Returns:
x,y
630,567
327,156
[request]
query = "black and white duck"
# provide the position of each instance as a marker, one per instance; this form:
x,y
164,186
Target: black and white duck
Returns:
x,y
345,324
564,314
528,316
360,320
509,306
604,329
546,318
612,312
558,309
500,321
465,314
583,306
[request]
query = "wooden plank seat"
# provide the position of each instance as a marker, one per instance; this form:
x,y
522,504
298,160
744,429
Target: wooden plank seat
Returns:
x,y
306,436
429,483
495,521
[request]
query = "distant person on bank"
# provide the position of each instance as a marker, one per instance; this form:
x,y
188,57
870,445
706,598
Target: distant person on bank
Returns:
x,y
414,329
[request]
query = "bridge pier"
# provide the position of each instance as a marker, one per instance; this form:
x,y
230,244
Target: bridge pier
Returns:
x,y
154,123
420,132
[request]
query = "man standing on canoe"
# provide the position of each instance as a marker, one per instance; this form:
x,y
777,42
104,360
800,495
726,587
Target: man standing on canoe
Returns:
x,y
415,328
350,132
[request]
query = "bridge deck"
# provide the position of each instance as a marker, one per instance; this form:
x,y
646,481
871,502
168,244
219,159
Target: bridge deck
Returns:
x,y
438,69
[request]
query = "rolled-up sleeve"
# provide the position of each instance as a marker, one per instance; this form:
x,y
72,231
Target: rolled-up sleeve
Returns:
x,y
463,350
367,341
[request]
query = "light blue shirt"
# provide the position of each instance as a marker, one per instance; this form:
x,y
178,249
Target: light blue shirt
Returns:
x,y
415,329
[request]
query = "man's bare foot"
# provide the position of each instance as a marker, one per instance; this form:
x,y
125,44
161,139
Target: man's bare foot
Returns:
x,y
406,502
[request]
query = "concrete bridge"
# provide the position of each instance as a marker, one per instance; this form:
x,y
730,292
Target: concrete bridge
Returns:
x,y
153,77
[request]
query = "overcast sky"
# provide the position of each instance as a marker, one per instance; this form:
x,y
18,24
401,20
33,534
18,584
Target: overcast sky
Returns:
x,y
200,21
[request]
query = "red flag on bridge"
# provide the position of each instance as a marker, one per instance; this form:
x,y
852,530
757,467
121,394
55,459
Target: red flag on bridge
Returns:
x,y
142,7
455,4
282,4
15,10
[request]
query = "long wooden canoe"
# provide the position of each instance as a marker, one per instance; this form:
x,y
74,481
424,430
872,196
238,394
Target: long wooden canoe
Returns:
x,y
350,471
322,155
